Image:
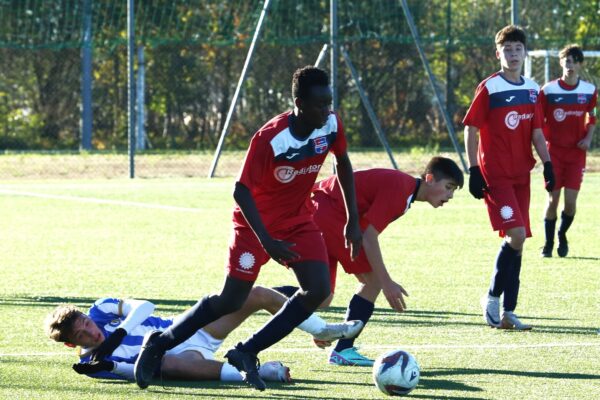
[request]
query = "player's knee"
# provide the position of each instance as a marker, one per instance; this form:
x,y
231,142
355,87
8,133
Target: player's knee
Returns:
x,y
227,305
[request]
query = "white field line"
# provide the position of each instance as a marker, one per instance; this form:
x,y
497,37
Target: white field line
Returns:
x,y
100,201
374,347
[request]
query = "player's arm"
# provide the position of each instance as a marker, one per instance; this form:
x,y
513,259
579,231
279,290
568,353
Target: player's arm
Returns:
x,y
278,250
586,142
105,369
135,312
393,292
539,143
345,177
477,184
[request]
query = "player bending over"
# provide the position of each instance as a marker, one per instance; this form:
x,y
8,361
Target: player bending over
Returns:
x,y
383,195
110,336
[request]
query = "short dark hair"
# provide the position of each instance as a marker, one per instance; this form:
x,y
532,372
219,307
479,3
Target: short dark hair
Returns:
x,y
511,33
444,168
572,50
306,77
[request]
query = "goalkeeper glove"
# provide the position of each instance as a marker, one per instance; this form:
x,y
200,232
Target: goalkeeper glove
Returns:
x,y
109,345
549,180
93,367
477,184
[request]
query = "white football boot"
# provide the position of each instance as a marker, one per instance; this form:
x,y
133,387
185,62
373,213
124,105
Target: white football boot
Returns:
x,y
491,310
510,321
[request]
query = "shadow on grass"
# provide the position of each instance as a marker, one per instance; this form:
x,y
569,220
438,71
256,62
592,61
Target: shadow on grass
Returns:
x,y
485,371
585,258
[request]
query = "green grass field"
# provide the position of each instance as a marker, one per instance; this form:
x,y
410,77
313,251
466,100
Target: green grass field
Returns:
x,y
56,247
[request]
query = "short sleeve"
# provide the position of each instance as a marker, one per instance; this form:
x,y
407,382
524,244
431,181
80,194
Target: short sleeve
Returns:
x,y
340,145
478,112
255,162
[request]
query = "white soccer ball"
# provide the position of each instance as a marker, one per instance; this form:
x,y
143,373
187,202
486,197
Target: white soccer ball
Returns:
x,y
396,373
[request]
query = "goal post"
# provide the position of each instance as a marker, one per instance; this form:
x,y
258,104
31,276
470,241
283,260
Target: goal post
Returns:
x,y
547,55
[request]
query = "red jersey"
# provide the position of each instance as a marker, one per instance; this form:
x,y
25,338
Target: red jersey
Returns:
x,y
506,114
382,195
280,170
565,108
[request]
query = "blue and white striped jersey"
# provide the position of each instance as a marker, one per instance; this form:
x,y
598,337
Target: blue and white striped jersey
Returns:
x,y
108,314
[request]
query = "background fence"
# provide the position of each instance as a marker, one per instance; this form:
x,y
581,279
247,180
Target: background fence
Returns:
x,y
194,51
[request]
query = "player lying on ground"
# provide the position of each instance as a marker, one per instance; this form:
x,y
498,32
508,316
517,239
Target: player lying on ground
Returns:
x,y
383,195
111,335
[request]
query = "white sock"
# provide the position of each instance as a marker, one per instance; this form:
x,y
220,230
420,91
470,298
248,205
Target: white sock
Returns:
x,y
313,324
229,373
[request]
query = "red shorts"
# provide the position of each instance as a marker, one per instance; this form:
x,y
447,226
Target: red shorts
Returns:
x,y
508,205
247,256
332,221
568,166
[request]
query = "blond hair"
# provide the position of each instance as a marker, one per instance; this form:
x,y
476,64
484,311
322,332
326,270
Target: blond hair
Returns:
x,y
59,323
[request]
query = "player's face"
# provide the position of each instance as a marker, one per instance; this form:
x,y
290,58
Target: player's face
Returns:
x,y
570,67
86,333
315,109
440,192
511,56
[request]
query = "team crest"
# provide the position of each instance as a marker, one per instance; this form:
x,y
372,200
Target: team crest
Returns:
x,y
320,144
533,95
581,98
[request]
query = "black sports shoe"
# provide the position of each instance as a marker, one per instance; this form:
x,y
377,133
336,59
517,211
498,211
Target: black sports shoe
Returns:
x,y
148,360
248,363
547,249
563,245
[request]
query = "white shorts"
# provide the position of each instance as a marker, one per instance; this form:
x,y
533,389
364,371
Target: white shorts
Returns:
x,y
202,342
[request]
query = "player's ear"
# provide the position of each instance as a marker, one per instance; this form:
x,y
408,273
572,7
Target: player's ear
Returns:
x,y
298,102
429,179
71,345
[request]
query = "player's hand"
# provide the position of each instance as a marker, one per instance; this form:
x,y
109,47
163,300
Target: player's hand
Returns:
x,y
477,184
109,345
548,177
394,294
279,250
584,144
93,367
353,236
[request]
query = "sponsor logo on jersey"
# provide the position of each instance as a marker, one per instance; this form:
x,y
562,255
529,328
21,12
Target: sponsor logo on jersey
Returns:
x,y
506,212
115,322
290,156
509,99
560,114
557,99
320,144
286,174
581,98
513,118
533,95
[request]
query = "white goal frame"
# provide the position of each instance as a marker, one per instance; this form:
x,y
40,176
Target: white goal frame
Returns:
x,y
547,54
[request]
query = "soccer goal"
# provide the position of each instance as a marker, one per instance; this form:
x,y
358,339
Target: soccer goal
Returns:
x,y
542,66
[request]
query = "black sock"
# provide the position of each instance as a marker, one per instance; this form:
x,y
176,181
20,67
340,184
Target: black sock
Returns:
x,y
549,227
279,326
511,292
358,308
504,264
565,223
200,315
287,291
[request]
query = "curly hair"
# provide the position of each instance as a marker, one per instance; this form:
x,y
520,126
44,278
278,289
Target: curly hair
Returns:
x,y
59,323
306,77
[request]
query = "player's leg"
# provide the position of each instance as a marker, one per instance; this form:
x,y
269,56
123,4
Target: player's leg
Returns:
x,y
232,297
505,216
361,308
550,222
566,219
516,238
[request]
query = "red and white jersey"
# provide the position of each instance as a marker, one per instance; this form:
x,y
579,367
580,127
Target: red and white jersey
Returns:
x,y
382,195
506,114
565,111
280,170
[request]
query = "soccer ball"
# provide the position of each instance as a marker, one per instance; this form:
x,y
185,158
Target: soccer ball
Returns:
x,y
396,373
